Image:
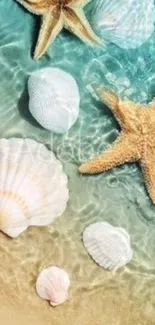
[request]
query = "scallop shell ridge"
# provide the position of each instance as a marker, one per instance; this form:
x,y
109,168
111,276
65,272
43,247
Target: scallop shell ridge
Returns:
x,y
128,24
33,187
53,99
108,246
53,284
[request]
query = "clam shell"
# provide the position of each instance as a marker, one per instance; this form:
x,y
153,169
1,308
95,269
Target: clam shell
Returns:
x,y
53,284
54,99
126,23
33,187
108,246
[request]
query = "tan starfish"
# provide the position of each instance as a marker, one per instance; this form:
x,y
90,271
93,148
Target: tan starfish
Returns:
x,y
59,14
136,141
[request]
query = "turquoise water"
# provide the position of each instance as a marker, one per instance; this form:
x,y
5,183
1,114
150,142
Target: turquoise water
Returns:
x,y
118,196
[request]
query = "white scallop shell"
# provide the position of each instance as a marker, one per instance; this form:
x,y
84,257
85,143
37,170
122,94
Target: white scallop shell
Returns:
x,y
109,246
53,284
127,23
54,99
33,186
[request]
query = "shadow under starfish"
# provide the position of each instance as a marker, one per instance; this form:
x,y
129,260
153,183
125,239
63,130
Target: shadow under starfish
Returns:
x,y
136,141
59,14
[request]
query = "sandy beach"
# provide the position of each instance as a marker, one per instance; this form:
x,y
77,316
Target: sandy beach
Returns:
x,y
96,296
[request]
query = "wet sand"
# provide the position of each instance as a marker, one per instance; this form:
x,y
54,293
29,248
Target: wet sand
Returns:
x,y
96,297
85,309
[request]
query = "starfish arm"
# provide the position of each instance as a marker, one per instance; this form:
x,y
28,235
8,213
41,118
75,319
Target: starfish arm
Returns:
x,y
52,24
33,7
124,111
122,151
76,22
148,168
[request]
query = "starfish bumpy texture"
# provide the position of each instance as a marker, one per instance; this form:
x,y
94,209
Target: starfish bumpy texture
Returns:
x,y
59,14
136,141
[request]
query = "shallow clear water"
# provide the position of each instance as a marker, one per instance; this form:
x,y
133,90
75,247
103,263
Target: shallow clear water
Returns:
x,y
119,196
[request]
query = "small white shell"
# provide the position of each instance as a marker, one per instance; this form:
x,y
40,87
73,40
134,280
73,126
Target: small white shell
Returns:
x,y
109,246
33,186
54,99
53,284
127,23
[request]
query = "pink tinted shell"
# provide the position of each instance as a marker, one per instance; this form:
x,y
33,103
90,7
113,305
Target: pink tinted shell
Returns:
x,y
53,284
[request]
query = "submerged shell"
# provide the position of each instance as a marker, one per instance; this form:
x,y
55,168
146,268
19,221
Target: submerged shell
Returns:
x,y
54,99
109,246
126,23
33,186
53,284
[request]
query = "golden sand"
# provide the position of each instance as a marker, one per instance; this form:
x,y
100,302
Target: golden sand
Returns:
x,y
97,297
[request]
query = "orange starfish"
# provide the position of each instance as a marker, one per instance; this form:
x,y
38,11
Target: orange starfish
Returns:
x,y
59,14
136,141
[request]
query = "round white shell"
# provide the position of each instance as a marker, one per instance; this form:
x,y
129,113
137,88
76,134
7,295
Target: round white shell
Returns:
x,y
127,23
33,186
54,99
53,284
108,246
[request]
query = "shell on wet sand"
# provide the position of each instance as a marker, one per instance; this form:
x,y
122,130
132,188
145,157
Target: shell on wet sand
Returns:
x,y
107,245
33,186
127,23
53,284
53,99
